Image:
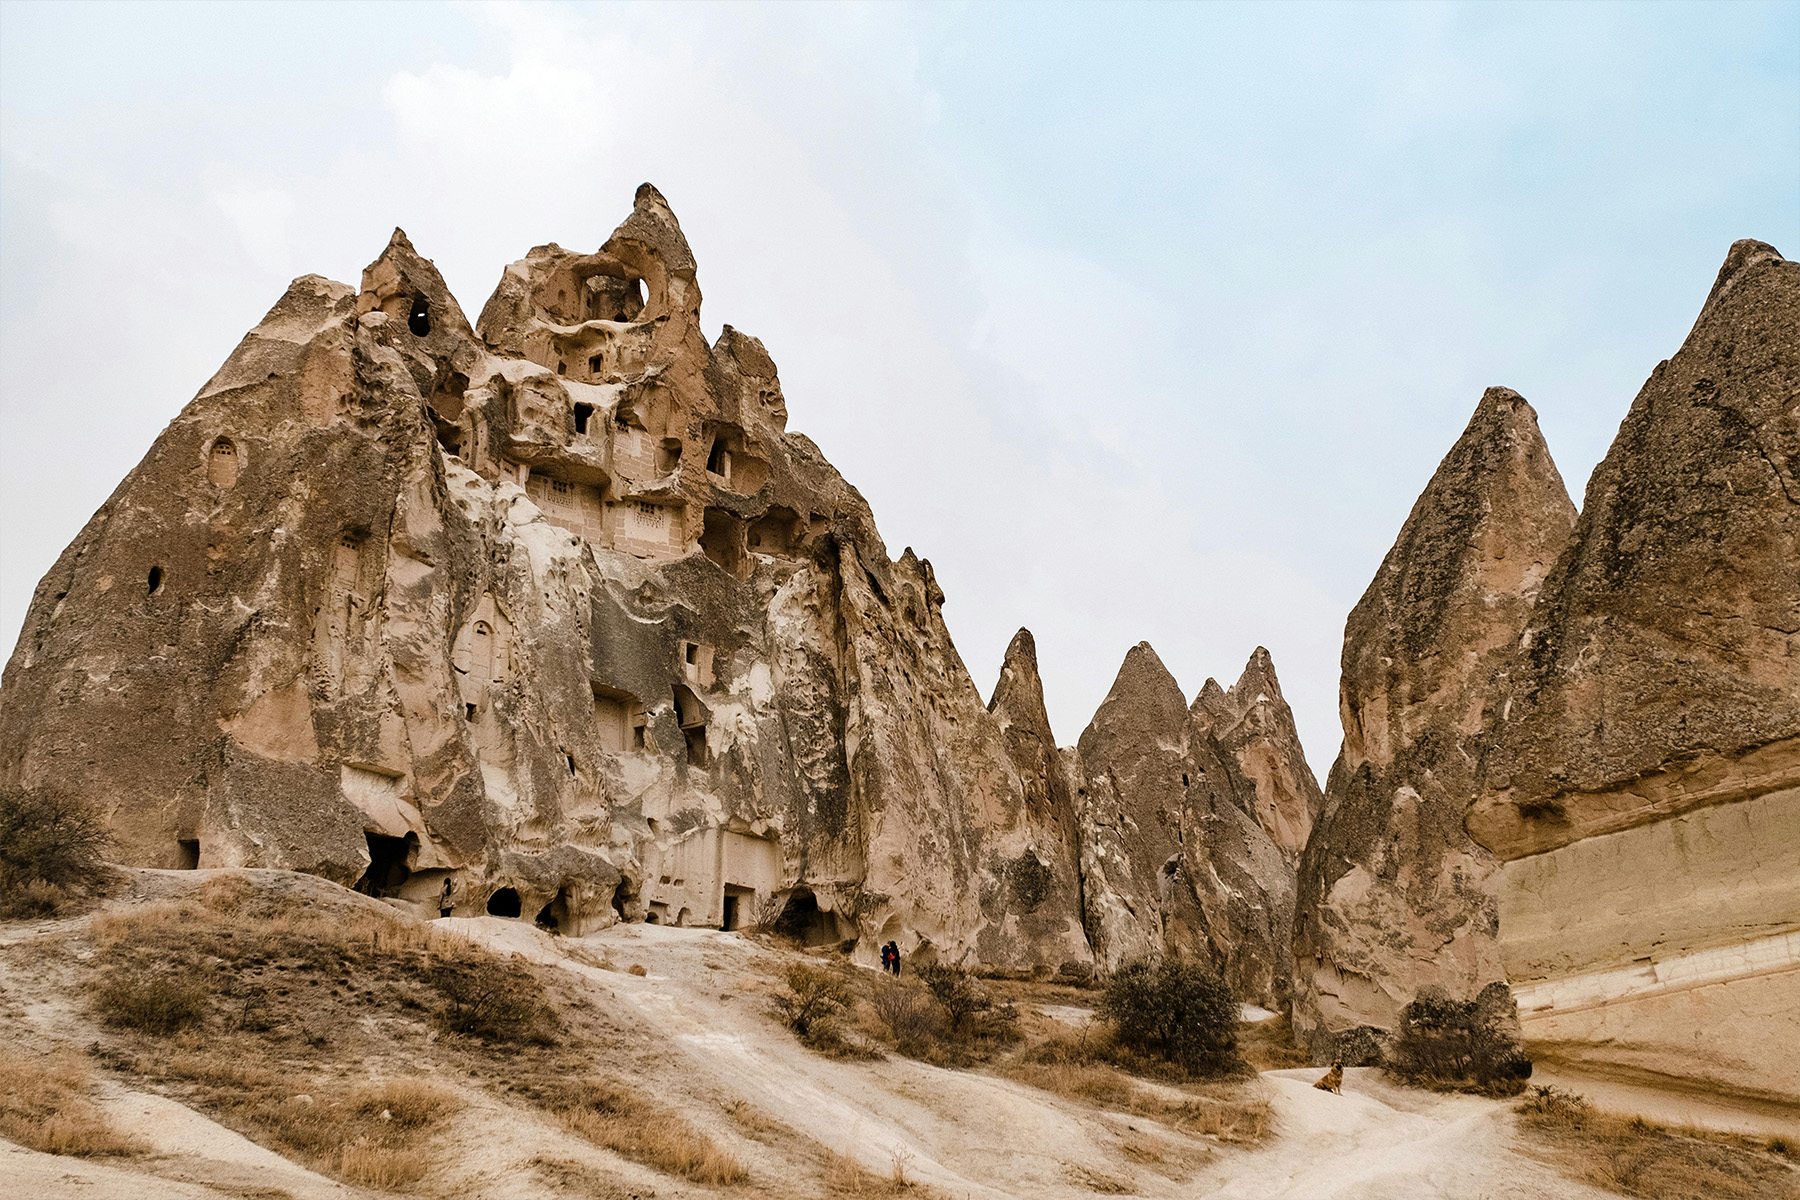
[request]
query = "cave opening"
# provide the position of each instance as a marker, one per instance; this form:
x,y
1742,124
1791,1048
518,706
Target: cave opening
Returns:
x,y
503,903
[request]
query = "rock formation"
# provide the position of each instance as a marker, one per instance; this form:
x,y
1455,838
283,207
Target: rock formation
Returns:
x,y
1393,895
1643,789
1254,728
1172,860
555,608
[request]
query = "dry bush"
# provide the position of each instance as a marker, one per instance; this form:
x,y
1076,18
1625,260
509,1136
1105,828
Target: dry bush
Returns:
x,y
157,1000
1459,1045
51,845
46,1104
491,999
1240,1120
1640,1158
815,1001
844,1176
970,1013
1176,1011
609,1115
409,1101
912,1020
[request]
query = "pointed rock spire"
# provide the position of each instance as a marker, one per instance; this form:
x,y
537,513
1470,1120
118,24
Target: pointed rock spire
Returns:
x,y
1665,642
1260,746
1393,895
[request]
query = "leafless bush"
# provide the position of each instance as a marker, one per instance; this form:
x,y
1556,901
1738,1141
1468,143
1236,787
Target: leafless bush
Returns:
x,y
814,1001
491,999
913,1019
154,1000
51,845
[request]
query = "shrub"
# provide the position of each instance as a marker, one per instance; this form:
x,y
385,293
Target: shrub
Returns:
x,y
1444,1042
50,845
913,1018
814,1001
1174,1010
1553,1107
155,1001
968,1009
491,999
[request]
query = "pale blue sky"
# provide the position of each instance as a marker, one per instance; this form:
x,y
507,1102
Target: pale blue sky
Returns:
x,y
1140,322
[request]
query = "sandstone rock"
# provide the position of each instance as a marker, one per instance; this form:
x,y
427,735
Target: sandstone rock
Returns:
x,y
1392,893
1172,862
556,608
1043,884
1260,746
1644,786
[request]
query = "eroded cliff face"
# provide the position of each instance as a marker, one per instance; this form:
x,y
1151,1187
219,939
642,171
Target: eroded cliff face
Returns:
x,y
1643,788
1393,895
1260,746
556,610
1173,862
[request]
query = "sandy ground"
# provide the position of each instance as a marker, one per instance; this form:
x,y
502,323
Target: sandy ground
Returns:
x,y
705,1040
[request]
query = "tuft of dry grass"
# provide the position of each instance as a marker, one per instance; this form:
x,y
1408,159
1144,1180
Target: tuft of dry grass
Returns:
x,y
609,1115
844,1176
47,1104
1640,1158
386,1167
1269,1045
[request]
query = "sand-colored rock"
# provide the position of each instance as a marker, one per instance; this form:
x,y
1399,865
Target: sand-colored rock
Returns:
x,y
1172,860
1255,731
555,609
1393,895
1644,786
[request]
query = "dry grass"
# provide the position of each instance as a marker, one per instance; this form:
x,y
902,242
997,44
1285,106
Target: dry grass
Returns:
x,y
609,1115
1269,1045
1074,1066
844,1176
47,1104
1639,1158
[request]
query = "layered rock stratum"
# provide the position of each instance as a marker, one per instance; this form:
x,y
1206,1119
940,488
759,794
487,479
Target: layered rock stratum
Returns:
x,y
555,610
1572,745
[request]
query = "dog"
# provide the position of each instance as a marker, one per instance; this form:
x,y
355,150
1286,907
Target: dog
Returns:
x,y
1334,1079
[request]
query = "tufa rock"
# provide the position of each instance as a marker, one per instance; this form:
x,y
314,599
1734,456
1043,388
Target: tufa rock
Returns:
x,y
1643,787
1260,746
554,608
1393,895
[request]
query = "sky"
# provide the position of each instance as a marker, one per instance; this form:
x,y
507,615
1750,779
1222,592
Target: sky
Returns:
x,y
1141,322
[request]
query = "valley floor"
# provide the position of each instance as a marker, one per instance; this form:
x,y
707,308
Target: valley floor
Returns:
x,y
695,1032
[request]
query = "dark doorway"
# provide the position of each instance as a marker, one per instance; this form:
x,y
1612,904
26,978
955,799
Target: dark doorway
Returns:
x,y
554,916
419,319
803,921
737,902
387,864
503,903
187,854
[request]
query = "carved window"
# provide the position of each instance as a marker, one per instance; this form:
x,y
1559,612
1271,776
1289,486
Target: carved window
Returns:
x,y
222,463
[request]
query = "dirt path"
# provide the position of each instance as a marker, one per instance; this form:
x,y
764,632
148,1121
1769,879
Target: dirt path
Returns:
x,y
705,1040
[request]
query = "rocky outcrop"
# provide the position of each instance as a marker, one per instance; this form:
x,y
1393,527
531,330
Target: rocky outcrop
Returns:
x,y
1393,895
1260,747
1644,786
1172,861
555,608
1043,884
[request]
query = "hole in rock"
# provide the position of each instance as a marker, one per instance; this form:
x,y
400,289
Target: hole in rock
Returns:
x,y
562,368
622,897
737,900
1184,781
597,364
419,320
503,903
187,854
668,455
554,916
803,921
583,414
469,712
156,580
570,759
387,863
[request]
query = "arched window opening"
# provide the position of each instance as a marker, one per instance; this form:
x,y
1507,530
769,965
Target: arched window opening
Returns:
x,y
222,463
554,916
503,903
583,414
597,364
419,320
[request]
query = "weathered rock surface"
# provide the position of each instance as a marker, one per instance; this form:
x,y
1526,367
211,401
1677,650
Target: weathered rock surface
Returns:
x,y
1260,746
557,610
1393,895
1172,860
1644,786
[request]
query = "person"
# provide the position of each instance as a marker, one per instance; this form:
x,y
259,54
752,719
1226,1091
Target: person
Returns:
x,y
894,958
886,965
445,904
